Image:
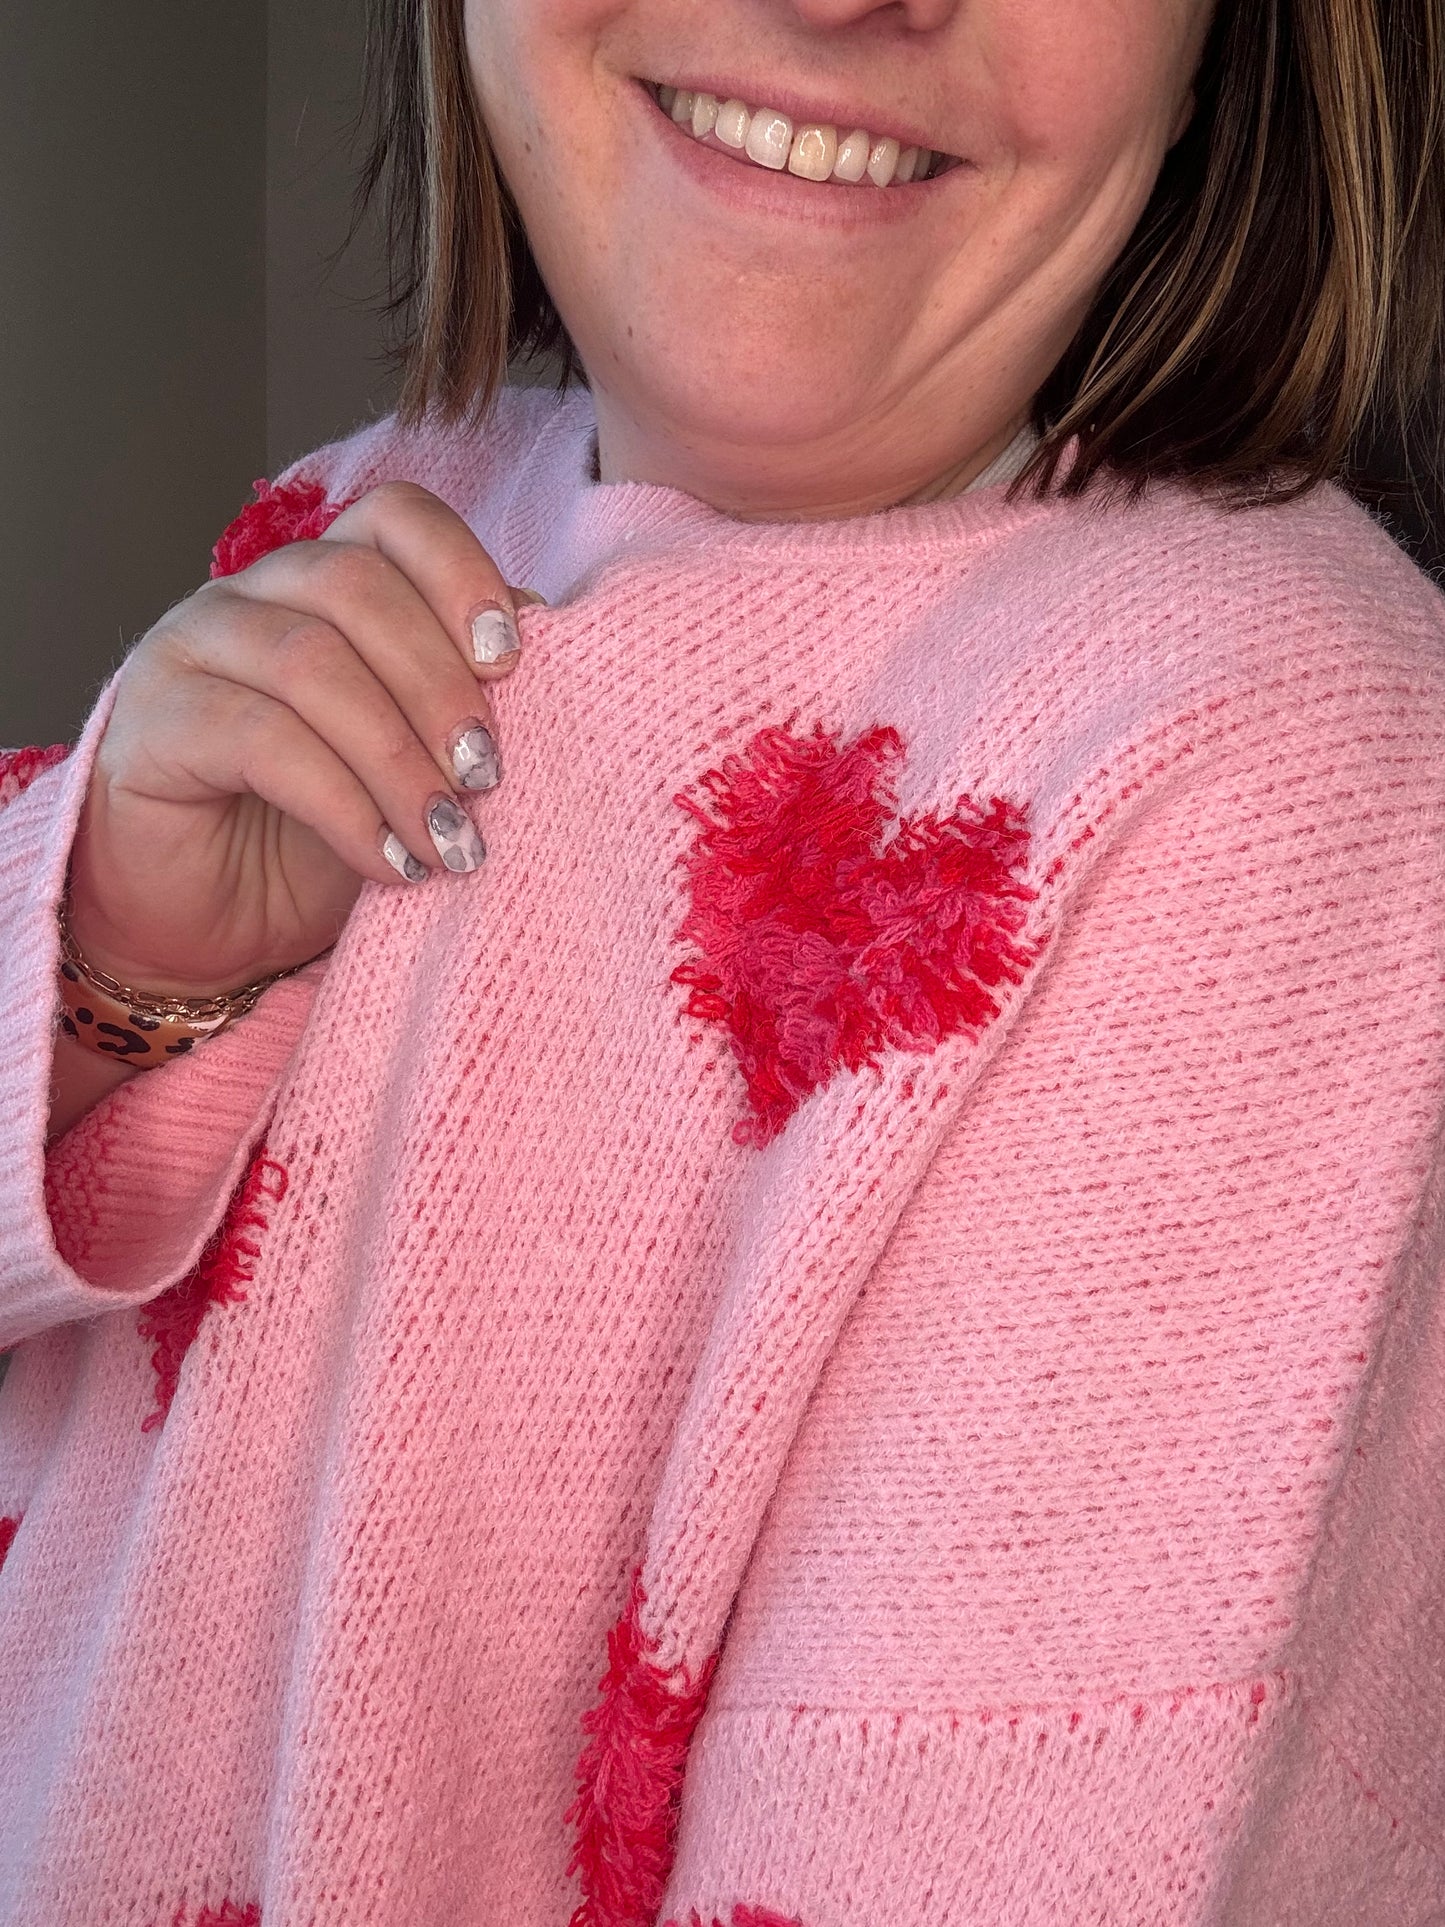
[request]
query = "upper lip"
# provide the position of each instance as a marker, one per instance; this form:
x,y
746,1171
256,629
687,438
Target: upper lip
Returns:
x,y
809,111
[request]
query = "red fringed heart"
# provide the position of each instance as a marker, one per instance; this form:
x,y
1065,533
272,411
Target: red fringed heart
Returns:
x,y
170,1323
741,1916
629,1778
286,512
20,767
819,944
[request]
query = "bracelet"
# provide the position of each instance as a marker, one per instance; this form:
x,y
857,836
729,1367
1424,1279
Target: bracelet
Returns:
x,y
140,1027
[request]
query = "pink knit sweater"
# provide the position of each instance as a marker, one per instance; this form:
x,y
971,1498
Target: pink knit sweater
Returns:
x,y
897,1218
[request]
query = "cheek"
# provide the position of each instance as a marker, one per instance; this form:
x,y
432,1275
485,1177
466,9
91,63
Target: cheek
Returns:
x,y
503,60
532,66
528,56
1079,85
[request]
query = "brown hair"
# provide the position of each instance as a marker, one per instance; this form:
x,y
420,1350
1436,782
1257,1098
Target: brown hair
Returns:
x,y
1276,312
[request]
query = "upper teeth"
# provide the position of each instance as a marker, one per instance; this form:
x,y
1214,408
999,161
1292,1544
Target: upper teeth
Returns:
x,y
811,149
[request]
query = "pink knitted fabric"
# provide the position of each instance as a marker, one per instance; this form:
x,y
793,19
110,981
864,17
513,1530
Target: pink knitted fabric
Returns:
x,y
850,1331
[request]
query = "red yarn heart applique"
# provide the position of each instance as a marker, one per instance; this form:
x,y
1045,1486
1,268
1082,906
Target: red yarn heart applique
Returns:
x,y
20,767
281,513
817,943
170,1324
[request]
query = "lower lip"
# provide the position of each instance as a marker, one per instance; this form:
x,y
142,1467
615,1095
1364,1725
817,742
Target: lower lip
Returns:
x,y
763,190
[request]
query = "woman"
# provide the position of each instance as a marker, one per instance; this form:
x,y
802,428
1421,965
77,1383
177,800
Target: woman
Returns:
x,y
889,1158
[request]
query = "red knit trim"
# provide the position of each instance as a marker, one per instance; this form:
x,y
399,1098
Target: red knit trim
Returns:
x,y
8,1530
170,1323
629,1778
281,513
20,767
740,1917
819,944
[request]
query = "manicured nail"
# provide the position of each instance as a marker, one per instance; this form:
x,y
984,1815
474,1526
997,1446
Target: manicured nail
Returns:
x,y
401,859
458,845
494,635
475,757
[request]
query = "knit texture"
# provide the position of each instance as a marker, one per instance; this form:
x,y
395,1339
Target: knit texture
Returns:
x,y
851,1330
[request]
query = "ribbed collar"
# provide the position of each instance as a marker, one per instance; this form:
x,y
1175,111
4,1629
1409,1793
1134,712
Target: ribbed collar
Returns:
x,y
579,525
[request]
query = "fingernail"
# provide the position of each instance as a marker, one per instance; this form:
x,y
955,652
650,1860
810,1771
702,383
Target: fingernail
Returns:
x,y
494,635
401,859
458,845
475,757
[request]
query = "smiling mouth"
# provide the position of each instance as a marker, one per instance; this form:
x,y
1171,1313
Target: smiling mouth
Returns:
x,y
813,150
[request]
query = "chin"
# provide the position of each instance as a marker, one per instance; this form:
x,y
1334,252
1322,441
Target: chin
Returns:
x,y
736,383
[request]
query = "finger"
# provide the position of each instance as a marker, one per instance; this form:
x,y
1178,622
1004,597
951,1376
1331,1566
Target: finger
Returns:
x,y
307,665
259,745
433,547
328,590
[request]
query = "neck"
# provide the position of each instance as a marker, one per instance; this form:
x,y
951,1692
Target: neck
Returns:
x,y
621,453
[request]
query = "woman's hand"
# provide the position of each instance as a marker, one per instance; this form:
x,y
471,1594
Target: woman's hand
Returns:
x,y
285,733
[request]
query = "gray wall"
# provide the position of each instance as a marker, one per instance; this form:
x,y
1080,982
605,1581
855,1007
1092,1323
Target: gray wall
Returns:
x,y
170,186
324,372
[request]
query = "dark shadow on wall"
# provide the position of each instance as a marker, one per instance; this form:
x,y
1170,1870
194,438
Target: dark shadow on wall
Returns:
x,y
132,282
173,181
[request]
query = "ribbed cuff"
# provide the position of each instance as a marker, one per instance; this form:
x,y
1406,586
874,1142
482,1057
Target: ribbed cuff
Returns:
x,y
1011,1815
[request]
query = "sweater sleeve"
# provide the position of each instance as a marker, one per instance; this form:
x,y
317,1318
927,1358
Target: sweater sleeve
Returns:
x,y
1103,1581
122,1205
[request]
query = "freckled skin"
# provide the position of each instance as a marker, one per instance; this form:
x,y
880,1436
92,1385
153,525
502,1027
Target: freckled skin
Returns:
x,y
780,368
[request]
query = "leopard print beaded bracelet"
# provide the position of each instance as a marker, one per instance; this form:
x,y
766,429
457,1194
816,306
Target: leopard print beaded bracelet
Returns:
x,y
140,1027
